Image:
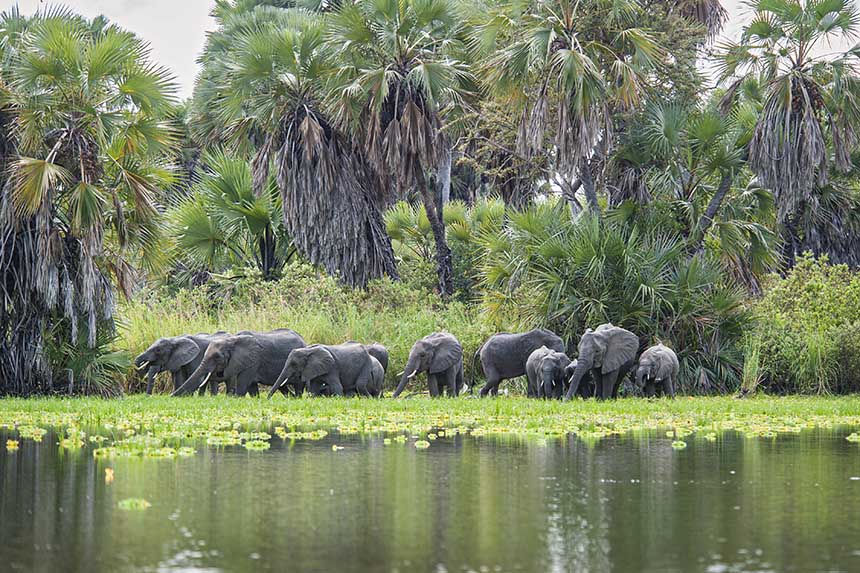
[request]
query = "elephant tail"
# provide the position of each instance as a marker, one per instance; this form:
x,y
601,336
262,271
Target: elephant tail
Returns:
x,y
474,368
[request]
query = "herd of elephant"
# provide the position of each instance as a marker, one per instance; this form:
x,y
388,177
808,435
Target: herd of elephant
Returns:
x,y
281,359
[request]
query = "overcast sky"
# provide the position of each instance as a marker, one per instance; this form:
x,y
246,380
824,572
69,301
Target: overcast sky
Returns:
x,y
176,29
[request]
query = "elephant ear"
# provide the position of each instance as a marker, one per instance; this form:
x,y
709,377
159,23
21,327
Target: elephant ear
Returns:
x,y
621,347
244,354
184,351
319,362
447,353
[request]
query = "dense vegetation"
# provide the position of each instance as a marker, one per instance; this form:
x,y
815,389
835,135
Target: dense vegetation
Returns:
x,y
379,169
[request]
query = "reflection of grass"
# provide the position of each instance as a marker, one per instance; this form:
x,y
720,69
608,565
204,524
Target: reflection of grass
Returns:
x,y
163,427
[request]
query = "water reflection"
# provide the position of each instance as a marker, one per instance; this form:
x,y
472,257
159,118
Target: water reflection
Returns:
x,y
488,504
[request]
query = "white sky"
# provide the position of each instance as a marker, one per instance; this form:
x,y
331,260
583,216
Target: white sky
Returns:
x,y
176,29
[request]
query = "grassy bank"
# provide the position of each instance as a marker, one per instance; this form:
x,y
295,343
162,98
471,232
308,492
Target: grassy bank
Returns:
x,y
141,424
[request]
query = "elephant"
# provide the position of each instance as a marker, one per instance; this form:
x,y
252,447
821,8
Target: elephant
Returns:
x,y
546,372
179,355
376,350
440,355
658,371
245,360
586,385
338,370
608,352
377,376
504,355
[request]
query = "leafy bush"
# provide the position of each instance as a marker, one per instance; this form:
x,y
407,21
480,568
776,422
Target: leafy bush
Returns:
x,y
310,302
809,329
543,269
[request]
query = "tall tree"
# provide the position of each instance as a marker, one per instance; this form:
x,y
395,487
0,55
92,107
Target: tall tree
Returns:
x,y
274,87
574,62
404,70
84,143
810,99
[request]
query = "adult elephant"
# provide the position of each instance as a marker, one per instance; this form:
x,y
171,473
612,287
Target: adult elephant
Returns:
x,y
658,371
504,355
608,352
440,355
245,360
546,370
337,370
179,355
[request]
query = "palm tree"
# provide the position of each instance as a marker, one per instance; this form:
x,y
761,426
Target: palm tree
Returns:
x,y
222,223
576,61
811,96
85,137
273,88
404,70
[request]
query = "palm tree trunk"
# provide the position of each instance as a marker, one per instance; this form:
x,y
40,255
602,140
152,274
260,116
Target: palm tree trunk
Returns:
x,y
443,253
587,178
707,218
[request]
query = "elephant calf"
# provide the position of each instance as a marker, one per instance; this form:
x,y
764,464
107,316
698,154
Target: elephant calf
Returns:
x,y
504,355
440,355
658,371
547,372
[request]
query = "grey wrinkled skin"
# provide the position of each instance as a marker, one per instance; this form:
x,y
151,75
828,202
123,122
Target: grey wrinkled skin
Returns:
x,y
245,360
546,372
332,370
609,353
376,350
440,355
179,355
504,355
657,372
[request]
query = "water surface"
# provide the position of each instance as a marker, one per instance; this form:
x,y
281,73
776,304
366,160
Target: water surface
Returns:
x,y
629,503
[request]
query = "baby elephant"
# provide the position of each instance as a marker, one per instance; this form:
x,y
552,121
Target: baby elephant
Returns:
x,y
658,370
547,371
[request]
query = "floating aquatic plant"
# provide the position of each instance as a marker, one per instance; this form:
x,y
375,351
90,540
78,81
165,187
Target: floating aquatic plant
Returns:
x,y
679,444
422,445
134,504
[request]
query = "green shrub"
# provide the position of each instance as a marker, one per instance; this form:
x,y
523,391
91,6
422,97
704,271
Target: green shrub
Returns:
x,y
808,325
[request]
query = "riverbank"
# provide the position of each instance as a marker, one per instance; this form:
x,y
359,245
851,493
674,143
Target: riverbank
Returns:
x,y
142,424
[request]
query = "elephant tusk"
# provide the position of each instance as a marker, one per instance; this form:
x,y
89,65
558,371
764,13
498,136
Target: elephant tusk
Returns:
x,y
399,374
142,366
414,372
204,381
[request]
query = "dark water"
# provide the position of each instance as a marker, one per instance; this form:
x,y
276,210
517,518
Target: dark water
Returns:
x,y
465,504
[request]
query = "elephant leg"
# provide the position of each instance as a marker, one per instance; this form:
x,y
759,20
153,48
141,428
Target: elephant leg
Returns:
x,y
669,387
253,389
451,381
213,387
493,380
622,373
649,390
607,384
362,384
433,385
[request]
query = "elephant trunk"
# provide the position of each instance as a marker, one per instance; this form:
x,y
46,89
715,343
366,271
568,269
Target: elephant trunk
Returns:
x,y
581,368
150,378
197,379
283,377
408,372
548,379
640,377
